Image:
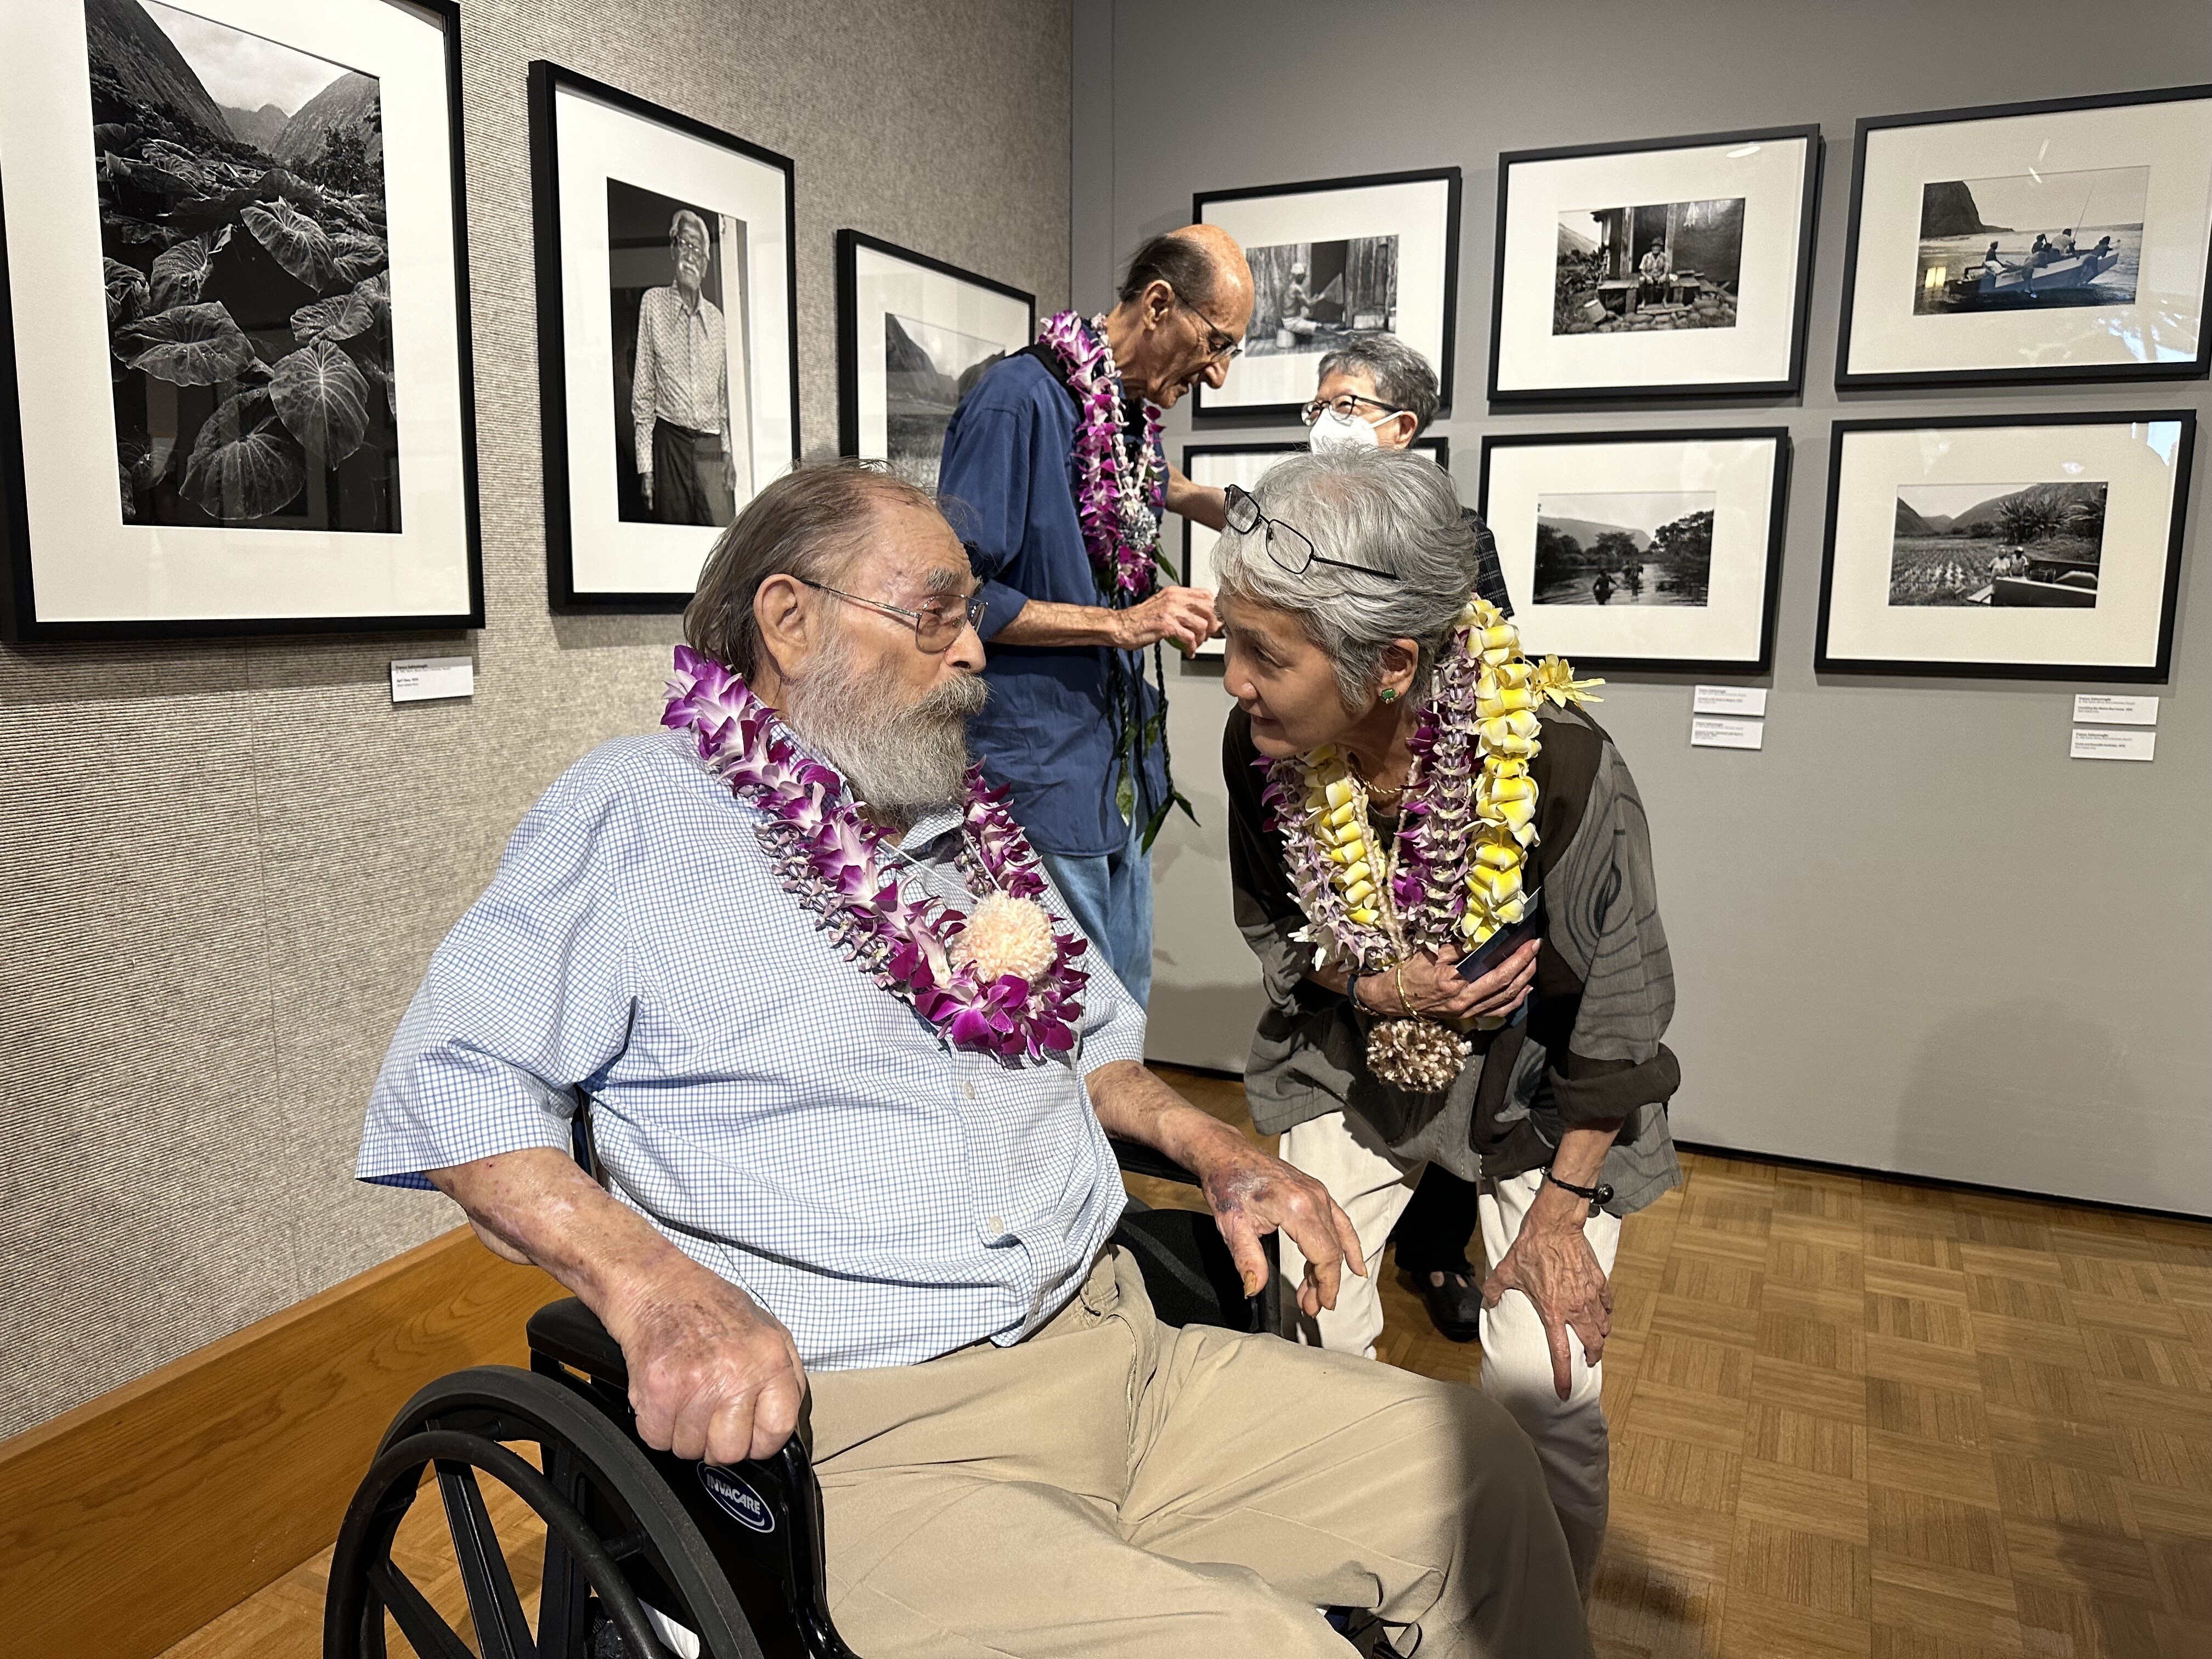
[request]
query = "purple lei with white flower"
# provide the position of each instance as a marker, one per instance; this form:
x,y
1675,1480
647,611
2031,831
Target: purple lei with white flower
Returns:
x,y
828,856
1119,503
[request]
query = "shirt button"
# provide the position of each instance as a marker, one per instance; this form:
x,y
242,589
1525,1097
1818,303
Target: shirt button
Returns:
x,y
968,1090
997,1225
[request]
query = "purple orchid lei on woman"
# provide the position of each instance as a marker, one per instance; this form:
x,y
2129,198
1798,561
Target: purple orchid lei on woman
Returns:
x,y
1118,501
1001,980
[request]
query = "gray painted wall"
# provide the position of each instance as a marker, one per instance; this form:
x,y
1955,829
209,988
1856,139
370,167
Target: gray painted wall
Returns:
x,y
223,867
1911,935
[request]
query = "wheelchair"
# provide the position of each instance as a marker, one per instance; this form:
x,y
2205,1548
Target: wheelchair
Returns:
x,y
645,1555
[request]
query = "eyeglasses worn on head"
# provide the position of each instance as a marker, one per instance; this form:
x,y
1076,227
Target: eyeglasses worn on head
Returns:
x,y
1221,346
1287,545
935,627
1344,407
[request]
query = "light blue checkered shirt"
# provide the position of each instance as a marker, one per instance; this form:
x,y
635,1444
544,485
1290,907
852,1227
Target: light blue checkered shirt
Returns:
x,y
781,1119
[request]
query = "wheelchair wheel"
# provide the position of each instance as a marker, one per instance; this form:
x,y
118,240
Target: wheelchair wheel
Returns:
x,y
618,1547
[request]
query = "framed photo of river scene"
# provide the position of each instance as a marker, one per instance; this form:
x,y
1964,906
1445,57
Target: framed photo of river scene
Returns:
x,y
1653,550
2022,546
2066,241
1675,267
235,375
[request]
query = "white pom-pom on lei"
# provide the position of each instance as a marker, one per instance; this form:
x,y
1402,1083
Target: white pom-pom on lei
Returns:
x,y
1006,935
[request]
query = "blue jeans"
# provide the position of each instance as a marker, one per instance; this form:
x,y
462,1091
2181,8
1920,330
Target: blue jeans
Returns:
x,y
1111,900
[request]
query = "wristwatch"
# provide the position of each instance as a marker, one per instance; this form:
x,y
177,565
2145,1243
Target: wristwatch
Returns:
x,y
1598,1196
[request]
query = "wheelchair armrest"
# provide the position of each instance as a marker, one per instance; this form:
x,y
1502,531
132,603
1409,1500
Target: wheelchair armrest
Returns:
x,y
571,1333
1137,1159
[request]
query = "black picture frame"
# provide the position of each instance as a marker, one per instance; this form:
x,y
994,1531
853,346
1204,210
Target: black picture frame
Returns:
x,y
1777,536
2156,672
547,80
1789,384
1272,414
20,621
849,244
2059,374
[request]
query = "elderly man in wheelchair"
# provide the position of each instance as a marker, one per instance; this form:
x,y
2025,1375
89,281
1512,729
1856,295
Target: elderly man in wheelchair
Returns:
x,y
855,1358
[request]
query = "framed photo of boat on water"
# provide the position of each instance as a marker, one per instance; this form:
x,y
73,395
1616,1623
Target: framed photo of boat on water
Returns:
x,y
1674,267
2025,546
1221,465
2064,241
1652,550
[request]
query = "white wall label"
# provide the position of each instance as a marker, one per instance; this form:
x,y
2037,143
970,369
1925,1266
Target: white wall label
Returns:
x,y
2101,743
1728,700
420,679
2116,711
1727,734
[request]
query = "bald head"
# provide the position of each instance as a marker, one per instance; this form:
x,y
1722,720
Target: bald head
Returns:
x,y
1183,306
1201,263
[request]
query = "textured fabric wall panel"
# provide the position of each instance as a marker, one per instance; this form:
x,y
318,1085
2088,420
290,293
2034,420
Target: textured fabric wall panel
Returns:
x,y
222,868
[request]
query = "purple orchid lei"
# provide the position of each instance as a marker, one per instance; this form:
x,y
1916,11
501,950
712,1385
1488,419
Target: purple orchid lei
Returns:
x,y
828,858
1119,504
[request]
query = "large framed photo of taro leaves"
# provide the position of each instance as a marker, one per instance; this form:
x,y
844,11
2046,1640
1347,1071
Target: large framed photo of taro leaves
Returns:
x,y
1653,550
234,388
1219,466
1334,261
914,334
2060,241
2022,546
1675,267
667,338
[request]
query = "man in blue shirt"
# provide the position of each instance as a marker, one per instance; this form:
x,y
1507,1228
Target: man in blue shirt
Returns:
x,y
1072,730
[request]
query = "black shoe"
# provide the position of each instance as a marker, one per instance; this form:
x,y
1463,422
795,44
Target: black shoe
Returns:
x,y
1454,1306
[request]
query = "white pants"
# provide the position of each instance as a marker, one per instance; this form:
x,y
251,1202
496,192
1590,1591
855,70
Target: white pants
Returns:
x,y
1374,1186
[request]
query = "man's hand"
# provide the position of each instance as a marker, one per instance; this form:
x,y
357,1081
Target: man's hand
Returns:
x,y
1552,1264
1251,1194
1183,615
645,487
712,1375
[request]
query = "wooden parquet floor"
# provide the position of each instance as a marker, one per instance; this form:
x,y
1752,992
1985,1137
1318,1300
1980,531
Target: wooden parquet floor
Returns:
x,y
1852,1418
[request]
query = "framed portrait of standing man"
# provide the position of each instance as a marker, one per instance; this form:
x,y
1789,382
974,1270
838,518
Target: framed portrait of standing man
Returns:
x,y
667,338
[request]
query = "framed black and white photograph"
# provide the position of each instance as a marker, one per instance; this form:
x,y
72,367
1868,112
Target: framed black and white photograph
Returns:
x,y
1653,550
1674,267
1243,465
234,382
2064,241
1334,261
667,336
2024,546
914,333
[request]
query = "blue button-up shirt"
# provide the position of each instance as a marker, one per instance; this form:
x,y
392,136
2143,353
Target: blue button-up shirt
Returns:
x,y
780,1119
1008,481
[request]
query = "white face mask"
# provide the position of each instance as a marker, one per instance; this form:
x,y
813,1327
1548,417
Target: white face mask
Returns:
x,y
1336,431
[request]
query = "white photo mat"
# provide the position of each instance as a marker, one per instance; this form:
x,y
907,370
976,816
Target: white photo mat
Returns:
x,y
2139,462
884,283
1742,475
1416,211
597,141
88,566
1770,178
2173,139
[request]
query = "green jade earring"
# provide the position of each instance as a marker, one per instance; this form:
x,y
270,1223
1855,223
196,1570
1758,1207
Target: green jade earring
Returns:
x,y
1389,695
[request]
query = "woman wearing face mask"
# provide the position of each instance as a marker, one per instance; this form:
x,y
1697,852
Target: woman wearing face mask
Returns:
x,y
1402,780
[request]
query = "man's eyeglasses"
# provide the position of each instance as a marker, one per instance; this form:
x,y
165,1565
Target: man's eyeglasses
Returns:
x,y
935,626
1221,346
1287,545
1344,407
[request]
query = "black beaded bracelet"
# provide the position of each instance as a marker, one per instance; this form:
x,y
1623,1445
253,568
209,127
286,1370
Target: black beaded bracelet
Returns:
x,y
1597,1197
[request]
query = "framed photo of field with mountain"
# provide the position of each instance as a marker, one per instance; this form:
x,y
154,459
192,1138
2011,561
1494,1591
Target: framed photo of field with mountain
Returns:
x,y
234,384
914,333
2024,546
1653,550
2064,241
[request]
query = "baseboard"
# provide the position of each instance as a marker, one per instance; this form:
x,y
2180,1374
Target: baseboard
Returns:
x,y
130,1521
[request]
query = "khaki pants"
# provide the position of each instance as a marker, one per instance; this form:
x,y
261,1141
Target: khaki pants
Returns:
x,y
1374,1186
1113,1486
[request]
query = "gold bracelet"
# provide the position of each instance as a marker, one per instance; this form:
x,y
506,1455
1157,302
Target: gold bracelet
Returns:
x,y
1398,977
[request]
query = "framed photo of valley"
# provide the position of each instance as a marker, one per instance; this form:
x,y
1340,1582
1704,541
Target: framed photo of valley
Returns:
x,y
1653,550
667,338
235,394
1244,465
1669,268
2066,241
912,334
2016,546
1334,261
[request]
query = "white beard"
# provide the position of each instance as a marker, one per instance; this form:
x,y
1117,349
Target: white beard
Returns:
x,y
899,761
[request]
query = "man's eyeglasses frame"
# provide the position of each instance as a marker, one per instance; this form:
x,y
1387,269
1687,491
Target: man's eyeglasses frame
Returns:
x,y
970,614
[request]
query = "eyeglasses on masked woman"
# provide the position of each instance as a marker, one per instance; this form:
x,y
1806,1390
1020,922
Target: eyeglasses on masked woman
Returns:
x,y
1290,548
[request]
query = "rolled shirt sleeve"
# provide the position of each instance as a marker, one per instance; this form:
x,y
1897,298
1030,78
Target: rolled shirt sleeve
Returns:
x,y
984,480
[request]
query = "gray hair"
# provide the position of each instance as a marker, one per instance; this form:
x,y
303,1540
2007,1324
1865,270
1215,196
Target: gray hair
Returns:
x,y
675,226
1384,509
1403,376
